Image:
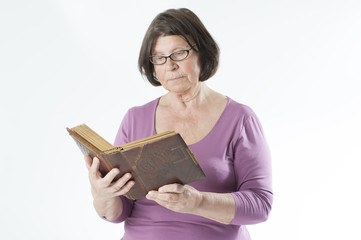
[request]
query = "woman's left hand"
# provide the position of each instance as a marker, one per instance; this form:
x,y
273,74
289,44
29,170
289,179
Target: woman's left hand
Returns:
x,y
177,197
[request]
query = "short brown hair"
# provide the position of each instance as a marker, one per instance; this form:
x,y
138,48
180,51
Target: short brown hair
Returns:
x,y
185,23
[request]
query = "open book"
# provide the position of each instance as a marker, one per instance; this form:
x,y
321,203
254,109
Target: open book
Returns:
x,y
154,161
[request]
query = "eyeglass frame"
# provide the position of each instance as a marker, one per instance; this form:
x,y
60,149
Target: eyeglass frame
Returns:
x,y
170,56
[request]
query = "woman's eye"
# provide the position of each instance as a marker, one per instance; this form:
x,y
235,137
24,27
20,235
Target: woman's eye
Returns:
x,y
178,54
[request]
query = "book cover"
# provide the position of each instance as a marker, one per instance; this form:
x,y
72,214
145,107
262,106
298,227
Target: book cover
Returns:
x,y
153,162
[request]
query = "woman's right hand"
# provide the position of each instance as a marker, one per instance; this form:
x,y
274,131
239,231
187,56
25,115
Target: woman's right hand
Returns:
x,y
102,188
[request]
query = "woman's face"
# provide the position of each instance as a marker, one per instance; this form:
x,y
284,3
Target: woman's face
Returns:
x,y
176,76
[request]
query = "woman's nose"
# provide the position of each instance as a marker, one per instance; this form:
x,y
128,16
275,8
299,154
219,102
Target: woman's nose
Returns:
x,y
171,65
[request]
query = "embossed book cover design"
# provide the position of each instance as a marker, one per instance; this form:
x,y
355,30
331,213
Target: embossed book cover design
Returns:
x,y
153,162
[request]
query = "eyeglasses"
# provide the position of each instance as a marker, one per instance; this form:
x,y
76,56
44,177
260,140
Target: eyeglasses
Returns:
x,y
176,56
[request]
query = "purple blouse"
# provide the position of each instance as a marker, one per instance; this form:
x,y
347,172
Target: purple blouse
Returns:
x,y
235,158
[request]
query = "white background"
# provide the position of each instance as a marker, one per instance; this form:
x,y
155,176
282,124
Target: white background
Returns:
x,y
66,62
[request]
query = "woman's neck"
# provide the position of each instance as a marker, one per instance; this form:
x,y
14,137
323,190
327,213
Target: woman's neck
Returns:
x,y
193,98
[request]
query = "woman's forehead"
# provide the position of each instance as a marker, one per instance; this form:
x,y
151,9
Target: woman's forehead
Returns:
x,y
169,43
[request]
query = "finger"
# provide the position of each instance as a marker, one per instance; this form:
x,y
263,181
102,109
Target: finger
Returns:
x,y
117,186
123,190
172,188
94,168
163,197
152,195
110,176
88,161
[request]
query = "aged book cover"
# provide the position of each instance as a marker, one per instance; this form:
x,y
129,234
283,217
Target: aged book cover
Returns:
x,y
154,161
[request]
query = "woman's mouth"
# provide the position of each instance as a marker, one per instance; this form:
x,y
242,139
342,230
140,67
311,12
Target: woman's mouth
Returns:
x,y
174,79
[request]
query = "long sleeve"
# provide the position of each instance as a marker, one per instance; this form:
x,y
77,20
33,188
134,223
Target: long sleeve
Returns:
x,y
252,164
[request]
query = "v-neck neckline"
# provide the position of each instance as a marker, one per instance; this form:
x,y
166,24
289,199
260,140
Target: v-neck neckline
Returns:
x,y
207,135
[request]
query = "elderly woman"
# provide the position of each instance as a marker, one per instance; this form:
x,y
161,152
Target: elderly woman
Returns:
x,y
179,54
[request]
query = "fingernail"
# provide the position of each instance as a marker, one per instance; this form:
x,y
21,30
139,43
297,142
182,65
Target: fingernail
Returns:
x,y
150,195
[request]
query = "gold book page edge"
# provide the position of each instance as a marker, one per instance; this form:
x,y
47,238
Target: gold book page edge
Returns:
x,y
140,142
83,131
93,137
88,133
89,138
84,141
90,146
148,139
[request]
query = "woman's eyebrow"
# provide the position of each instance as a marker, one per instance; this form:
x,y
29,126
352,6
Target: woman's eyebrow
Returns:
x,y
172,51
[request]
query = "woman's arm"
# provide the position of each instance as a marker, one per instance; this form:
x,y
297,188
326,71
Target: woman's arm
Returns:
x,y
253,172
109,209
219,207
106,200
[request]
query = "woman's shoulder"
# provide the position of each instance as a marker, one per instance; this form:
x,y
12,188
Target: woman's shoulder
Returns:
x,y
243,117
138,122
239,109
144,109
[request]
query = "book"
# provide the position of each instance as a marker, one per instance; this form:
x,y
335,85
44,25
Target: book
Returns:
x,y
154,161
